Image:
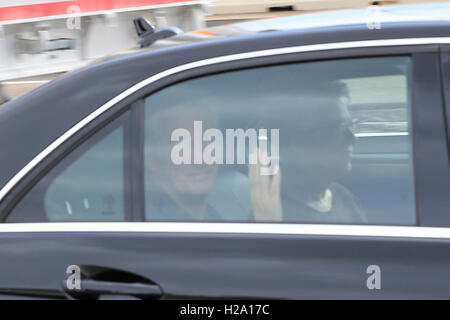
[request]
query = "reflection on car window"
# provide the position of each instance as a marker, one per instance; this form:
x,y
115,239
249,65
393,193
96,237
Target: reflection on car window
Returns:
x,y
319,142
87,185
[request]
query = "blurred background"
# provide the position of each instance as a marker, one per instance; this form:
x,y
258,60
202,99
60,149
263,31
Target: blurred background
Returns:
x,y
42,39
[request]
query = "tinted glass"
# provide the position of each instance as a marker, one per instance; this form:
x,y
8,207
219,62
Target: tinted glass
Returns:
x,y
319,142
87,185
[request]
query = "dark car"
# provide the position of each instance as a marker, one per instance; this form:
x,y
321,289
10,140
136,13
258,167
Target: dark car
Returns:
x,y
299,157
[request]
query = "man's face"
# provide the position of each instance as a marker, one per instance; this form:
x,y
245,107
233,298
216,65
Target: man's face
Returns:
x,y
320,146
194,179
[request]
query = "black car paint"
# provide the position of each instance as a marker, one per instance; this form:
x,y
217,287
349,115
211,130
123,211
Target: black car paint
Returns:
x,y
445,60
229,265
235,266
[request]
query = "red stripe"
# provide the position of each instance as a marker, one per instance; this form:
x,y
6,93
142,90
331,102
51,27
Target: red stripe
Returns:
x,y
60,8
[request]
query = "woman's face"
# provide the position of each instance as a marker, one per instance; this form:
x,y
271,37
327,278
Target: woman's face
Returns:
x,y
190,179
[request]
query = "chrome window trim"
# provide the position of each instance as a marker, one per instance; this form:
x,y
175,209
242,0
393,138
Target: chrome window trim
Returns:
x,y
380,134
201,63
231,228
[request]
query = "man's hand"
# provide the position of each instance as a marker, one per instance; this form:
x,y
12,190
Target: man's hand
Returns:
x,y
265,193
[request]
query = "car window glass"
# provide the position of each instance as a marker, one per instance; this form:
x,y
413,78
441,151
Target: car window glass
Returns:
x,y
87,185
318,142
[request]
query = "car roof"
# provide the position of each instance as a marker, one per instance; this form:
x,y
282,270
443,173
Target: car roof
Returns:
x,y
31,122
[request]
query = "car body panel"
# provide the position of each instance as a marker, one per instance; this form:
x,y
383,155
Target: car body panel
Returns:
x,y
196,265
445,60
239,262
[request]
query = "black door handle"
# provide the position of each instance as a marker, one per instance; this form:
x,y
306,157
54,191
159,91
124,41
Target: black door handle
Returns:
x,y
98,281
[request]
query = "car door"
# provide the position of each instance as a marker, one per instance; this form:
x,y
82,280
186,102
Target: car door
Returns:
x,y
140,214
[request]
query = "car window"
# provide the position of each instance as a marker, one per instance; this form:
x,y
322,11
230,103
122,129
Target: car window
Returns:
x,y
316,142
87,185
